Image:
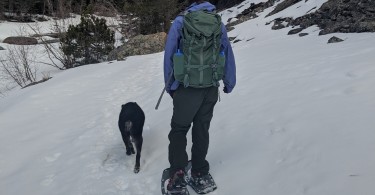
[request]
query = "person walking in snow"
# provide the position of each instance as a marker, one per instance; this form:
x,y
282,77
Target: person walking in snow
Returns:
x,y
197,55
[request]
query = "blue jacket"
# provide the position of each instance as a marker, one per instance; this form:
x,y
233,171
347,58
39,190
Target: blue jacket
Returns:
x,y
173,40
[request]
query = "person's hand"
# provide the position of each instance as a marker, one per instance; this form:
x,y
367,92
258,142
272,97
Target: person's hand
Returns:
x,y
171,94
225,90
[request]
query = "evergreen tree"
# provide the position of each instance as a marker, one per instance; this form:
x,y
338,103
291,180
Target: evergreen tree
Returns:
x,y
88,42
155,15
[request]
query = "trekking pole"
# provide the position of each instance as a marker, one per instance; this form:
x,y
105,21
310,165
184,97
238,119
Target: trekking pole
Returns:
x,y
162,93
219,95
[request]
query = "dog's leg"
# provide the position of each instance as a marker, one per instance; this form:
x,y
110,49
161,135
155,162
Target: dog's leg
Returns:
x,y
138,145
128,143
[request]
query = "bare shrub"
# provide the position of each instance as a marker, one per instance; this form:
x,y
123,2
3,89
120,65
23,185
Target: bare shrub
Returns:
x,y
18,65
56,56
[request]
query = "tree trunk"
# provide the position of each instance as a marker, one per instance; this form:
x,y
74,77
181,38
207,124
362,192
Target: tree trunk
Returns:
x,y
2,4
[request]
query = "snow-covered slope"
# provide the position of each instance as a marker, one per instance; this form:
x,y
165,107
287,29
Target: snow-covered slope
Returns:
x,y
300,121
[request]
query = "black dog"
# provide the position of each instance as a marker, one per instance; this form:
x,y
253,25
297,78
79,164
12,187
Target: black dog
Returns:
x,y
131,122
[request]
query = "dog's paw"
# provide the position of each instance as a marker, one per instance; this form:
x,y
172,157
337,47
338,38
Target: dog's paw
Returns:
x,y
132,150
136,169
129,152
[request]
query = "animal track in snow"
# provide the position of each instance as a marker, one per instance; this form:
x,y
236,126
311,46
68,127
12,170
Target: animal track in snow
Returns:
x,y
52,158
120,184
48,180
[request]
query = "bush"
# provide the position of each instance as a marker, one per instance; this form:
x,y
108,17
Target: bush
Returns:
x,y
88,42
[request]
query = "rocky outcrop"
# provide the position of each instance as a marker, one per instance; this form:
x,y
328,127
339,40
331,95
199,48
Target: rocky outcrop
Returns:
x,y
345,16
283,5
251,12
21,41
140,45
280,23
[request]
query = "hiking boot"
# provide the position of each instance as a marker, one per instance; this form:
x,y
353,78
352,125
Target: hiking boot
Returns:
x,y
202,183
177,183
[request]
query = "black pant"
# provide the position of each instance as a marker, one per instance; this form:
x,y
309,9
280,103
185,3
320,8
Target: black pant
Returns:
x,y
191,105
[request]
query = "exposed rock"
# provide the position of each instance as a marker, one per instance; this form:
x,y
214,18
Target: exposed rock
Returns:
x,y
232,38
140,45
250,39
229,28
277,26
1,48
280,23
346,16
334,40
21,41
302,34
310,10
251,12
295,31
228,4
283,5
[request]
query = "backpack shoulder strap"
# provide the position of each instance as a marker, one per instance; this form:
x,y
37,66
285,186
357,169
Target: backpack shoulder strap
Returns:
x,y
183,13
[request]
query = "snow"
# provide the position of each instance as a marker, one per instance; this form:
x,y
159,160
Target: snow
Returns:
x,y
299,121
301,8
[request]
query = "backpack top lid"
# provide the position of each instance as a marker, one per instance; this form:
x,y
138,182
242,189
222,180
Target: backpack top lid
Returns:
x,y
202,23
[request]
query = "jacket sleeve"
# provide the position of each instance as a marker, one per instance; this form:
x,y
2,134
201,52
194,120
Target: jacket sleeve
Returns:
x,y
230,64
171,45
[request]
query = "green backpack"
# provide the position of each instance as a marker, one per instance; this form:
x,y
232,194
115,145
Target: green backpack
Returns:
x,y
200,63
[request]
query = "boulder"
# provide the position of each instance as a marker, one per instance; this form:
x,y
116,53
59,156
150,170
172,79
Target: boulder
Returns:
x,y
21,41
140,45
335,40
295,31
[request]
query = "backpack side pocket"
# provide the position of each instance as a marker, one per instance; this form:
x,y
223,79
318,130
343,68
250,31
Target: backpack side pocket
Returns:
x,y
220,65
178,65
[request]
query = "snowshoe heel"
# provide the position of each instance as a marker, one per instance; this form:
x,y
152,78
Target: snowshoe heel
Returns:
x,y
202,184
177,184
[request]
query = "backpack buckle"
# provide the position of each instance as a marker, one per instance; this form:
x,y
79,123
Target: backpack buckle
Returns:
x,y
214,66
186,81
